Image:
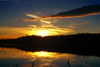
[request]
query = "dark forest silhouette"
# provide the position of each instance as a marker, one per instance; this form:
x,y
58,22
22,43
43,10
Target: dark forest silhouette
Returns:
x,y
81,44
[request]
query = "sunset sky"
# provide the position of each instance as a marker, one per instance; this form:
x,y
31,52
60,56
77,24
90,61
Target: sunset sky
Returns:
x,y
48,17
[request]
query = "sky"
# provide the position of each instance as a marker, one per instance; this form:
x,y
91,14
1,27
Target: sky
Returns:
x,y
48,17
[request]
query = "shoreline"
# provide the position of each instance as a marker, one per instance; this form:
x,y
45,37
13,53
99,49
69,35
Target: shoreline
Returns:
x,y
64,49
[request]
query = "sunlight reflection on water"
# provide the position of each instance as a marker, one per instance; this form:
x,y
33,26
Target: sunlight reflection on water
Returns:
x,y
12,56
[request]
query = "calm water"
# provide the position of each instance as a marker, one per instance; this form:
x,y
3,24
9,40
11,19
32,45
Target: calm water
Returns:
x,y
10,57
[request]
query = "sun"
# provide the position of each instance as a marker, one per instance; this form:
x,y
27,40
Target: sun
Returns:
x,y
42,33
44,54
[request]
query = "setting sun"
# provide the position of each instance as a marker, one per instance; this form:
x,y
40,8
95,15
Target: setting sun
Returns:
x,y
42,33
44,54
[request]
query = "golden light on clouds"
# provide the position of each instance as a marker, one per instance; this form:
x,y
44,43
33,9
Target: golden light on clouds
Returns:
x,y
46,27
49,31
13,32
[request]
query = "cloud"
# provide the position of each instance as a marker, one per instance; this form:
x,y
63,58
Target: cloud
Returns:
x,y
51,29
15,19
14,32
30,20
79,12
36,18
44,21
29,65
32,15
33,26
75,25
61,31
46,24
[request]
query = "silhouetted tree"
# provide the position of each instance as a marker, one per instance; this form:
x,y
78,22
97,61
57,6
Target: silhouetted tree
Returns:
x,y
33,64
68,63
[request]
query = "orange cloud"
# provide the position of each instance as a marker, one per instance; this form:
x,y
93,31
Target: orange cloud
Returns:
x,y
46,24
14,19
14,32
17,19
30,20
27,65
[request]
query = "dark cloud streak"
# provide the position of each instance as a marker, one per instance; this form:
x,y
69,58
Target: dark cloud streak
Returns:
x,y
79,12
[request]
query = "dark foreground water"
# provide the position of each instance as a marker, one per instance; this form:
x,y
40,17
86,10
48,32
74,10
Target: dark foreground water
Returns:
x,y
10,57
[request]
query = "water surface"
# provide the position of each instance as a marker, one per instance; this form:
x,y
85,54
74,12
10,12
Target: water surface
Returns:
x,y
11,56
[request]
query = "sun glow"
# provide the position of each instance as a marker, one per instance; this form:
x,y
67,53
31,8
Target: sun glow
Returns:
x,y
42,33
44,53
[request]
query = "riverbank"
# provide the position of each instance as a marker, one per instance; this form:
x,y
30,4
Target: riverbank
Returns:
x,y
80,44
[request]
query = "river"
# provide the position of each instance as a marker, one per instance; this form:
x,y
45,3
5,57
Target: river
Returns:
x,y
10,57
